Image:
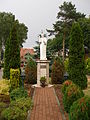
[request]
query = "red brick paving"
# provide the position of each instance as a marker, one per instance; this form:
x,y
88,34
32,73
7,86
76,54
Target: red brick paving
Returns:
x,y
45,105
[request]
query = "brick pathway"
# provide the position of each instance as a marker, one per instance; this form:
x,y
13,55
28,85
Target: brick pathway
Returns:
x,y
45,105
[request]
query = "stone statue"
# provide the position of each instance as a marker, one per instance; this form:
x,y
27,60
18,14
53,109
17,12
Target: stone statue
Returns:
x,y
43,43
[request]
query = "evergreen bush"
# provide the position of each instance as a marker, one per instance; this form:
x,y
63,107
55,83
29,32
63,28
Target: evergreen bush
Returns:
x,y
31,72
57,71
88,66
73,92
14,49
18,93
17,110
80,109
6,70
14,78
77,72
65,85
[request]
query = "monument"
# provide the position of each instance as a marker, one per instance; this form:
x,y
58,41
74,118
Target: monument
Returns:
x,y
43,63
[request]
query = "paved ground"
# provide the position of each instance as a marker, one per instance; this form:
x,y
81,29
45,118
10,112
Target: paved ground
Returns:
x,y
45,105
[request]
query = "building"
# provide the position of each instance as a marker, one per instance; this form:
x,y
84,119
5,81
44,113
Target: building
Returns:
x,y
25,54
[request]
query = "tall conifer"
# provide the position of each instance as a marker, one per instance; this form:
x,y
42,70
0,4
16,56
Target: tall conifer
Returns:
x,y
14,49
76,57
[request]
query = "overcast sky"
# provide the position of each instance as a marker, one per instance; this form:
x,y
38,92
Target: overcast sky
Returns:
x,y
38,14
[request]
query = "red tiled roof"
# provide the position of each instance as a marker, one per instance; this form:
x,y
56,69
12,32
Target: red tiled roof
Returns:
x,y
23,51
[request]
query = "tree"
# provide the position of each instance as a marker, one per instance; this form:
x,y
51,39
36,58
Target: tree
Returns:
x,y
85,26
6,23
76,57
14,49
57,71
66,16
6,71
31,72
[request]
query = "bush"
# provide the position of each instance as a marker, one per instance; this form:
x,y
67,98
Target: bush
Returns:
x,y
88,66
77,71
2,106
31,72
17,109
73,92
18,93
65,85
66,65
57,71
4,87
43,81
80,110
5,98
14,78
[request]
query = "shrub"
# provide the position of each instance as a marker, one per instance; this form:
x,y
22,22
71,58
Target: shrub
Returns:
x,y
6,70
43,81
2,106
31,72
4,87
57,71
77,72
65,85
66,65
88,66
80,110
14,78
17,109
73,92
18,93
5,98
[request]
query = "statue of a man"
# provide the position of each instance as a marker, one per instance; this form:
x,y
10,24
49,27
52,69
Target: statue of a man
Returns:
x,y
43,43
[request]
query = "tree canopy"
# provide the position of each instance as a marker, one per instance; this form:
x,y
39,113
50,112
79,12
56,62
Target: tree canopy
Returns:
x,y
6,22
61,28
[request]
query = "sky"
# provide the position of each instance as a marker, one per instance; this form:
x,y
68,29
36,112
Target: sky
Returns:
x,y
39,15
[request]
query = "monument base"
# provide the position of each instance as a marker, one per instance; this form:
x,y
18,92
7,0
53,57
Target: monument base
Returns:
x,y
42,70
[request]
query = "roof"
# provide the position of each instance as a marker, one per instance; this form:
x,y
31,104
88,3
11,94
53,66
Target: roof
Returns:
x,y
23,51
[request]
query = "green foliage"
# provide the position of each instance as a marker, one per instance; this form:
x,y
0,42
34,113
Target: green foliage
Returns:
x,y
14,78
6,22
4,87
6,71
17,109
88,66
43,81
2,106
73,92
57,71
18,93
77,71
66,84
14,49
85,26
66,16
80,110
66,65
31,72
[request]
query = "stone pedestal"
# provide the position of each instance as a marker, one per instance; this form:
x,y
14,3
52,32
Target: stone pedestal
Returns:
x,y
42,70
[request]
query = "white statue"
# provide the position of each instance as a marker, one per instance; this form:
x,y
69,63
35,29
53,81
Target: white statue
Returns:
x,y
43,43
